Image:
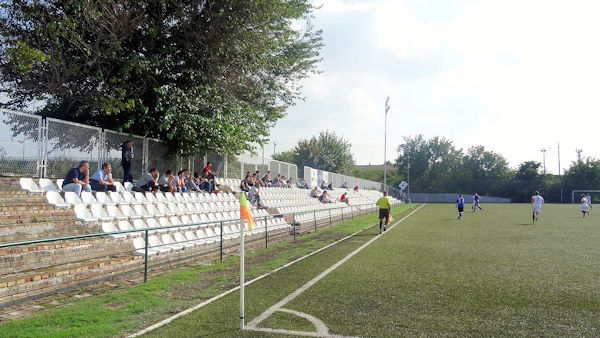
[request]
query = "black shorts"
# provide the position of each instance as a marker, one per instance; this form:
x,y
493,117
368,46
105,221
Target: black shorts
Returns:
x,y
384,213
461,209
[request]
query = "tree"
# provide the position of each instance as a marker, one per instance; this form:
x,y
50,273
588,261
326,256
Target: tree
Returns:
x,y
583,174
327,152
285,156
483,171
200,74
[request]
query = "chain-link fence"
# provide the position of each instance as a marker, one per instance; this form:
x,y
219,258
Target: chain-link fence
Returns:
x,y
20,150
68,143
160,157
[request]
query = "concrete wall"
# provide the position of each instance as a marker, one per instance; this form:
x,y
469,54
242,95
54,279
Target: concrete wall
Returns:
x,y
451,198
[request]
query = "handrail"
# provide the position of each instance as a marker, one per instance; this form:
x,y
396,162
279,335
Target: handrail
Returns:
x,y
65,238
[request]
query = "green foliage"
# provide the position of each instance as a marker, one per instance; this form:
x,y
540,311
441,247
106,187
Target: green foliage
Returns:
x,y
200,74
583,175
327,152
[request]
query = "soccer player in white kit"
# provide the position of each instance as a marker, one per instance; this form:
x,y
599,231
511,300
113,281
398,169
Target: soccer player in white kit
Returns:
x,y
585,204
536,205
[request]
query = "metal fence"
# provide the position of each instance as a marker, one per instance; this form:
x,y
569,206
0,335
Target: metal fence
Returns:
x,y
315,177
251,164
20,146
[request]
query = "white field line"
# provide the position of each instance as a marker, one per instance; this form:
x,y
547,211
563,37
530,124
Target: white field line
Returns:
x,y
210,300
254,323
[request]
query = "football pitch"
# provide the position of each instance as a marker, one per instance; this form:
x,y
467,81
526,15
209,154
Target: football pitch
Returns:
x,y
489,274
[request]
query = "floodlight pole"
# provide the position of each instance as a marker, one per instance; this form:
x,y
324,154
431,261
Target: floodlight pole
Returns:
x,y
544,156
387,108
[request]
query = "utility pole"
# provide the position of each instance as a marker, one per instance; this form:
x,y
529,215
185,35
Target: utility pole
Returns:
x,y
274,144
579,151
544,155
559,159
387,108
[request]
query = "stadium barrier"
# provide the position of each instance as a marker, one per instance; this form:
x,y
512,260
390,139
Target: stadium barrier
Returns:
x,y
419,197
296,229
314,177
32,146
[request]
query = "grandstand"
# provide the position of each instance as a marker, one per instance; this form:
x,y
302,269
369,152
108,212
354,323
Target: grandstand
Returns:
x,y
176,227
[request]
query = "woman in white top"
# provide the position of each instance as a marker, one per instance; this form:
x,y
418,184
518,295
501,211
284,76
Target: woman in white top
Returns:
x,y
536,205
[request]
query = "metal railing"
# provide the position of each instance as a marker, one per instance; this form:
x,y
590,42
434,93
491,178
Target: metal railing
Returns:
x,y
363,209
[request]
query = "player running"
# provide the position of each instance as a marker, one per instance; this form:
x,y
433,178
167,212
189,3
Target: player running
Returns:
x,y
384,210
585,204
536,205
476,200
460,204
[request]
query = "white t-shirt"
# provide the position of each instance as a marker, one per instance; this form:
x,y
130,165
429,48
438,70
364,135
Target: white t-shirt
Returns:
x,y
537,201
584,204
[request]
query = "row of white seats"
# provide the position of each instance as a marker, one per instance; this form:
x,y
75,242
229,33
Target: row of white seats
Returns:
x,y
45,185
132,198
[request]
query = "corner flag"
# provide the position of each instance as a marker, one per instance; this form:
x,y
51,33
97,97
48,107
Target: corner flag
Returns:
x,y
245,211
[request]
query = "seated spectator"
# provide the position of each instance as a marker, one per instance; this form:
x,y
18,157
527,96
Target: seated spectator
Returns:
x,y
267,179
356,188
323,185
257,179
254,196
203,183
344,198
78,179
247,174
301,184
180,182
102,180
244,185
345,185
289,182
330,186
210,174
276,181
315,192
166,182
148,181
324,199
190,184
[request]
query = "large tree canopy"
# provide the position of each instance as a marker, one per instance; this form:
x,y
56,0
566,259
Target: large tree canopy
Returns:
x,y
327,152
201,74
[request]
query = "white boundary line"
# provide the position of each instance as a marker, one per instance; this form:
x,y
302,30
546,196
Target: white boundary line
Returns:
x,y
254,323
210,300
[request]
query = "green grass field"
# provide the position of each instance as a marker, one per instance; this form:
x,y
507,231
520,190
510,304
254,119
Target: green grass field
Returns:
x,y
489,274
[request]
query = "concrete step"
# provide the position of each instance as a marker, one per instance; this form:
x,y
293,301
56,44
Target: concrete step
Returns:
x,y
47,229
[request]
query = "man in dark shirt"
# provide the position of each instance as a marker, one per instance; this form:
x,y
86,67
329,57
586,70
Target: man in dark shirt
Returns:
x,y
148,181
78,179
127,160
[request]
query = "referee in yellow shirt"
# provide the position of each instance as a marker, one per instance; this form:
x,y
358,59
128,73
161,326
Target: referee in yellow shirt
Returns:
x,y
384,210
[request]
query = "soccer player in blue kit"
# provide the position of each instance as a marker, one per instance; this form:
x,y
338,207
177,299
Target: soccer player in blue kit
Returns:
x,y
460,204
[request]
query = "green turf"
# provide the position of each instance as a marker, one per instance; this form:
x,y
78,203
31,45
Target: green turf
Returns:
x,y
115,313
489,274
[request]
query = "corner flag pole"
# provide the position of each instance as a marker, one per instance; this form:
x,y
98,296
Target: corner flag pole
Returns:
x,y
242,226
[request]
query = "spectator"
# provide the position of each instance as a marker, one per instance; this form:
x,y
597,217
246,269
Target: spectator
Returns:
x,y
191,183
315,192
254,196
289,182
248,173
324,199
302,184
345,185
203,182
78,179
276,181
330,186
180,182
127,160
210,175
258,180
267,179
344,198
102,180
148,181
323,185
244,185
166,182
356,188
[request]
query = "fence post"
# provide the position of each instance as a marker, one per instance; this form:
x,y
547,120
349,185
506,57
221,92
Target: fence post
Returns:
x,y
146,258
352,211
330,217
294,224
266,233
221,241
225,164
315,217
342,214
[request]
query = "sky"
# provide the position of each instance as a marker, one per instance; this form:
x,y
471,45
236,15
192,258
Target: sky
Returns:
x,y
514,76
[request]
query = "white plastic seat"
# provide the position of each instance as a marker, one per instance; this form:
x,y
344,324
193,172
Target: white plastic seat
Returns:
x,y
141,198
110,227
173,208
54,198
164,222
29,185
186,197
114,212
192,238
154,211
117,198
211,235
186,220
47,185
160,197
119,186
139,244
127,211
180,238
72,198
83,214
162,208
141,210
129,198
99,212
155,243
178,197
170,198
170,242
88,198
153,223
103,198
151,198
128,186
59,183
125,226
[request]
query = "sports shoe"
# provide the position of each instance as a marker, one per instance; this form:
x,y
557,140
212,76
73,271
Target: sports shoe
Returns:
x,y
384,229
